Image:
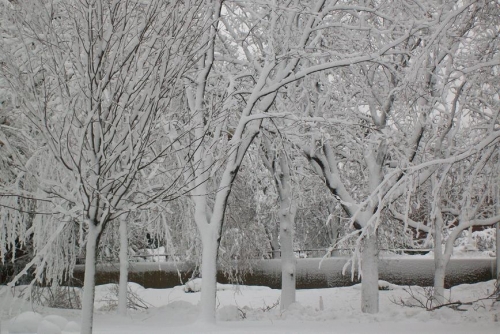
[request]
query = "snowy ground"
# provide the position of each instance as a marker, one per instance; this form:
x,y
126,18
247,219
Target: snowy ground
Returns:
x,y
175,311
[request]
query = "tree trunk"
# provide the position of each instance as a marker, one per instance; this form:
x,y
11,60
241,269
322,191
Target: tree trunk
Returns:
x,y
287,222
498,244
288,260
374,157
498,238
89,280
369,274
439,275
123,284
498,251
439,261
210,245
498,257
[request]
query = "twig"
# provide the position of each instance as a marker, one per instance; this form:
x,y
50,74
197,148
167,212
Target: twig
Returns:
x,y
428,296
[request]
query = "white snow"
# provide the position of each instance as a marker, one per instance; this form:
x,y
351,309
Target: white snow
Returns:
x,y
194,285
47,327
58,320
71,327
26,322
252,309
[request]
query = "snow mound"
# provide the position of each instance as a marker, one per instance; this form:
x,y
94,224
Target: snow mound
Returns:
x,y
382,285
298,311
180,306
106,295
253,288
176,312
194,285
26,323
35,323
229,313
58,320
47,327
135,288
105,288
106,298
71,327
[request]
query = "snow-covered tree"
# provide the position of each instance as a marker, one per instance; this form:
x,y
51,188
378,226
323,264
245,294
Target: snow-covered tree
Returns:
x,y
93,79
460,69
278,165
255,50
343,119
244,234
369,124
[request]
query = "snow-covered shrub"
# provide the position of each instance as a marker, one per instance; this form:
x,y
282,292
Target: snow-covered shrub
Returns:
x,y
483,241
66,297
244,238
385,286
107,297
193,285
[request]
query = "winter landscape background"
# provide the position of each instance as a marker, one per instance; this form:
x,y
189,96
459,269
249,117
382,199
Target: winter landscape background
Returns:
x,y
227,133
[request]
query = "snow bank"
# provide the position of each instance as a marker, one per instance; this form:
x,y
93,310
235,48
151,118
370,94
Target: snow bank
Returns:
x,y
254,309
